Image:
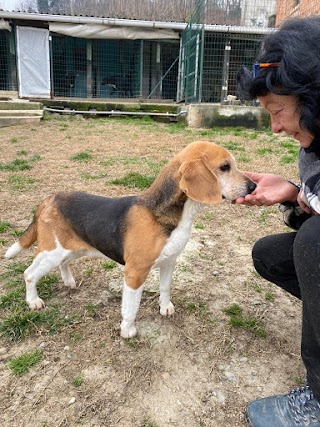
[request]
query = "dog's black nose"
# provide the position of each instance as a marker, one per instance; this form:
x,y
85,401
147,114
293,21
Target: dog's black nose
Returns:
x,y
251,186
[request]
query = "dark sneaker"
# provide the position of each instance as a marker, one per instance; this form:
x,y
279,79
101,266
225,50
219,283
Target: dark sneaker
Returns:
x,y
299,408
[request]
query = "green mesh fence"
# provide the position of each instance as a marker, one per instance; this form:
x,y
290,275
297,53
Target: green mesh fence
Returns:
x,y
191,56
209,59
114,68
8,74
224,54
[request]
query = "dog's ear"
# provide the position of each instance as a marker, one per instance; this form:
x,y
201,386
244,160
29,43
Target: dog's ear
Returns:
x,y
199,183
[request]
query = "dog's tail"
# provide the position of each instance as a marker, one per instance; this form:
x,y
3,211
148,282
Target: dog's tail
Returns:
x,y
27,239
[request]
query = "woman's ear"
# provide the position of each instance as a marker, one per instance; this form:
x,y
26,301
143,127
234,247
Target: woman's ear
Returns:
x,y
199,183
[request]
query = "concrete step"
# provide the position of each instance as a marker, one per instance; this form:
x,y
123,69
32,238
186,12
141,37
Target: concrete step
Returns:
x,y
18,120
20,105
21,113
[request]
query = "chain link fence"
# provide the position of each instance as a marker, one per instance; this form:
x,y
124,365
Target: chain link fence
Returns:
x,y
8,70
220,37
84,68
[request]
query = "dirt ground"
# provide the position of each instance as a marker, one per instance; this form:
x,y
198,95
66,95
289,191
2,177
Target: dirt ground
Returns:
x,y
189,370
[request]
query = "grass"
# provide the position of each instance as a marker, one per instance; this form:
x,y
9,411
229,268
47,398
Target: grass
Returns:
x,y
266,213
5,226
264,151
243,158
83,156
22,153
133,180
17,233
223,131
256,287
13,274
269,296
133,342
233,310
108,265
88,176
287,159
75,337
199,226
147,422
21,323
127,160
21,183
91,309
198,308
154,167
77,381
248,323
233,146
290,152
21,365
18,165
17,320
141,120
178,128
11,299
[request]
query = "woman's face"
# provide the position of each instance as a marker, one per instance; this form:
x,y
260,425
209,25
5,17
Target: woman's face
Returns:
x,y
285,117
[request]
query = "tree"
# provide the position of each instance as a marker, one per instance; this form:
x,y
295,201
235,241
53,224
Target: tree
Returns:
x,y
218,11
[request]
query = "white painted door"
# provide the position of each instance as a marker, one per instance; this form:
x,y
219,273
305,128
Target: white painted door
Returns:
x,y
33,61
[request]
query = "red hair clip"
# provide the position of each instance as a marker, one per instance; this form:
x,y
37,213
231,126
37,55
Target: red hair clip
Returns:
x,y
256,67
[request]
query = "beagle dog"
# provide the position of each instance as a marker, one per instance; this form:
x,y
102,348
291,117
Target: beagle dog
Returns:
x,y
141,232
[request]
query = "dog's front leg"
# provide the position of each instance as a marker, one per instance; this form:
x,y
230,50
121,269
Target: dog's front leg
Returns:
x,y
166,272
130,305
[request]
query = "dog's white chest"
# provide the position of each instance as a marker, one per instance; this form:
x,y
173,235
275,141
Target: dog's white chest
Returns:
x,y
180,235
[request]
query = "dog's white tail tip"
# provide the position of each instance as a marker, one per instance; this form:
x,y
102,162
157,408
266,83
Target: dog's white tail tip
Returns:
x,y
13,250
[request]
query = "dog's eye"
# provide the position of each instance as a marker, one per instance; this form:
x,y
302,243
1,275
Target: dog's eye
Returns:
x,y
225,168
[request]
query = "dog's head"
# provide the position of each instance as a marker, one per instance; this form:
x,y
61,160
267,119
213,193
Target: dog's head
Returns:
x,y
209,173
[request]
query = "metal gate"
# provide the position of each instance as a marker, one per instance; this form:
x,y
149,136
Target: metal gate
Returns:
x,y
191,57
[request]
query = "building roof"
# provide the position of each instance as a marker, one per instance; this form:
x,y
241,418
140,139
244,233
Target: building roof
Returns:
x,y
107,21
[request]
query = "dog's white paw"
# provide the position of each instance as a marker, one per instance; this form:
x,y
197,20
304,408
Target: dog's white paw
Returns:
x,y
36,304
167,310
128,332
70,284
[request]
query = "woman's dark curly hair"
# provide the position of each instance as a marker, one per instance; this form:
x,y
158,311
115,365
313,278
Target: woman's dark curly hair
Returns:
x,y
295,46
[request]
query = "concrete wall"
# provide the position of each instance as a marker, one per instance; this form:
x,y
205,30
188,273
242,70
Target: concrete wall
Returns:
x,y
215,115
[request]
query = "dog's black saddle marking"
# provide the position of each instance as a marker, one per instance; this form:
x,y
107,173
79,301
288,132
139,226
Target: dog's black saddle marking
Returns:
x,y
99,221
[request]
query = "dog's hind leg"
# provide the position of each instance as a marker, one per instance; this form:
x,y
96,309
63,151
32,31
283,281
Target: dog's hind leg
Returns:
x,y
66,275
166,272
65,271
43,263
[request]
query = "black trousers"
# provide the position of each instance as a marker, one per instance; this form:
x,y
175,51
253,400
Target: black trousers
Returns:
x,y
292,261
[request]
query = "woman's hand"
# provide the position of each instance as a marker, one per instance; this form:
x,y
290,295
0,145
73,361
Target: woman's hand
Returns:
x,y
303,203
270,189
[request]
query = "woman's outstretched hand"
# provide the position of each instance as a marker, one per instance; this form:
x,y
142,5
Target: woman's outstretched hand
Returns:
x,y
271,189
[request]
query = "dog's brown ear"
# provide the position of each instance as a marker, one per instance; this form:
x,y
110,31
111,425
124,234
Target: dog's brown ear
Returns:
x,y
199,183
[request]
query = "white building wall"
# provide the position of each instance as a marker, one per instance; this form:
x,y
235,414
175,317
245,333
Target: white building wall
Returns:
x,y
258,13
